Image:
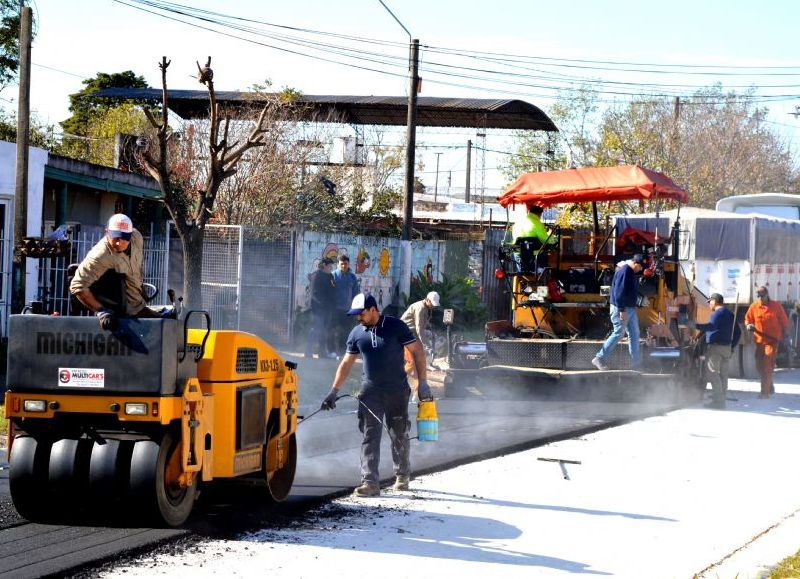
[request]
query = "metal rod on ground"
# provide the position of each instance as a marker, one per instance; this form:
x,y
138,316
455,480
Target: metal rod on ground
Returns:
x,y
561,462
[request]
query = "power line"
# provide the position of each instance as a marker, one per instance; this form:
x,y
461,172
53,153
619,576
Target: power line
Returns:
x,y
59,70
571,62
444,69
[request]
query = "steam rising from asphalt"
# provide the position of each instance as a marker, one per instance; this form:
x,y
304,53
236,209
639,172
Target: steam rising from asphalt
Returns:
x,y
499,410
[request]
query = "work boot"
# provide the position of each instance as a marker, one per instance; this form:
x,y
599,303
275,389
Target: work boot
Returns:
x,y
367,489
599,364
401,483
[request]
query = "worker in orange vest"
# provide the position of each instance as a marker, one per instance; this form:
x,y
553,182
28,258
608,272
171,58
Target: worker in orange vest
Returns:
x,y
768,322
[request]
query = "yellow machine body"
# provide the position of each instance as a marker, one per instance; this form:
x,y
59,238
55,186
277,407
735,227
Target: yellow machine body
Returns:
x,y
233,414
224,373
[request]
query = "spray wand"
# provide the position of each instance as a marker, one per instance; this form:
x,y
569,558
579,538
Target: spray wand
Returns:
x,y
367,408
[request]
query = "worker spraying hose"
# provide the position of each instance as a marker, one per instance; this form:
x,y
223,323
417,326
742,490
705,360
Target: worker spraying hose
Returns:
x,y
384,392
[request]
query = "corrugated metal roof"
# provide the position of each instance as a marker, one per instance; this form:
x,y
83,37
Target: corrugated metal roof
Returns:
x,y
365,110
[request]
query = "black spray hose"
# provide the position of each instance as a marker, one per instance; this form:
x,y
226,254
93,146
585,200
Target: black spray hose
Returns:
x,y
389,434
299,422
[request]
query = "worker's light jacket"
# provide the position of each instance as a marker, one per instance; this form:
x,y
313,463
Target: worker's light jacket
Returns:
x,y
416,318
101,258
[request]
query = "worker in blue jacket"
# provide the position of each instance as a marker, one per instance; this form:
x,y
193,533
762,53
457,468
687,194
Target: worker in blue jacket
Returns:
x,y
722,336
623,313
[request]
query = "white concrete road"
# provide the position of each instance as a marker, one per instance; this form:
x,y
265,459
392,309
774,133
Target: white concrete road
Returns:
x,y
693,493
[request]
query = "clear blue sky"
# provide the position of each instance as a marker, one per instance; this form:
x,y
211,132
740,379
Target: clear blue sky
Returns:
x,y
78,38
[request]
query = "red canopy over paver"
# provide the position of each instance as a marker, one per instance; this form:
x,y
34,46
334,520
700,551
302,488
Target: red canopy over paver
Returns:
x,y
621,183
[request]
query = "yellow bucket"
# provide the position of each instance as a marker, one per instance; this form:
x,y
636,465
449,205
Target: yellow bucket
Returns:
x,y
427,421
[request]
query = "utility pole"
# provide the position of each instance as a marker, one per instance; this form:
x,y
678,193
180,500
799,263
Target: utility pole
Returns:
x,y
411,145
436,186
411,142
21,187
469,170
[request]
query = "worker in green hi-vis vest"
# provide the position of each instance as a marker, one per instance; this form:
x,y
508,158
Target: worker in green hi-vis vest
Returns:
x,y
531,226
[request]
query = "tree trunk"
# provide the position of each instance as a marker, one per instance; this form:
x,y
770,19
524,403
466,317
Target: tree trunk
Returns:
x,y
192,243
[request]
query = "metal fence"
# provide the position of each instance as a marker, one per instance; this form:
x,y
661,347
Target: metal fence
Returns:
x,y
247,280
495,291
248,275
6,246
221,282
268,285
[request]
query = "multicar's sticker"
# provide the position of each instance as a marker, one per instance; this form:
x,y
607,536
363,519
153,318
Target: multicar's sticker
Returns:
x,y
82,377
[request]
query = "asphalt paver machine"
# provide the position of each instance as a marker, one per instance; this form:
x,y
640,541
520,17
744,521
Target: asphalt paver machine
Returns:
x,y
559,296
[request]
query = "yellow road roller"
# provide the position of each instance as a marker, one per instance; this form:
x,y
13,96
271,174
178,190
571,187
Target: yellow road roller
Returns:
x,y
139,417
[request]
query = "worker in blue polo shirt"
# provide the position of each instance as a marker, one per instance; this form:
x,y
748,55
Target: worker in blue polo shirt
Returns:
x,y
722,336
381,341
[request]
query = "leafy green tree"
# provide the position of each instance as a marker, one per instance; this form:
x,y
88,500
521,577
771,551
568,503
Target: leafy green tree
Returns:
x,y
459,294
365,199
89,132
40,135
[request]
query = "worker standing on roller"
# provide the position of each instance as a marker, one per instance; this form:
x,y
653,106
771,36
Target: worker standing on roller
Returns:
x,y
384,392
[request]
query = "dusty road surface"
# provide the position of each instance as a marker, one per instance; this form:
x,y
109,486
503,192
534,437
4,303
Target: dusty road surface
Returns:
x,y
469,429
694,492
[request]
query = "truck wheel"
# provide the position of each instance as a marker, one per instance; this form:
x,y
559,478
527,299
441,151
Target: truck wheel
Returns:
x,y
27,479
280,483
153,480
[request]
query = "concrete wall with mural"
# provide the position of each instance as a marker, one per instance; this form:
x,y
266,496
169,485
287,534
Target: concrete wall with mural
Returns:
x,y
374,260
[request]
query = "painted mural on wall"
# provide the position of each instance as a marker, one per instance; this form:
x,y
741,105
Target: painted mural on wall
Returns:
x,y
374,260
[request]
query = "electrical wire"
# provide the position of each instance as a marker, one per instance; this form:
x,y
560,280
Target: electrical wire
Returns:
x,y
446,70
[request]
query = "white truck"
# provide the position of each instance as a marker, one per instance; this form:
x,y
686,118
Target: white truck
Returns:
x,y
732,254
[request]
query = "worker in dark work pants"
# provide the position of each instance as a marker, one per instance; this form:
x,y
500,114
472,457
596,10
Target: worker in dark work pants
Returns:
x,y
722,336
384,394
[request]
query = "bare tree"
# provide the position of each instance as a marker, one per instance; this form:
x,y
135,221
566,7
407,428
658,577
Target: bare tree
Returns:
x,y
713,144
190,172
290,181
268,189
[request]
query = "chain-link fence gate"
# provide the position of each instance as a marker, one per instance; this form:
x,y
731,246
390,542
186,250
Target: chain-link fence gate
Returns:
x,y
221,282
247,281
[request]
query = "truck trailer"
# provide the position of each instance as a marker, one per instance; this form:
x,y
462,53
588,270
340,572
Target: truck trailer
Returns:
x,y
732,254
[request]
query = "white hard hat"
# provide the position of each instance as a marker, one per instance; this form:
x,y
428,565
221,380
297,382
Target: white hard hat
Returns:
x,y
434,297
120,225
